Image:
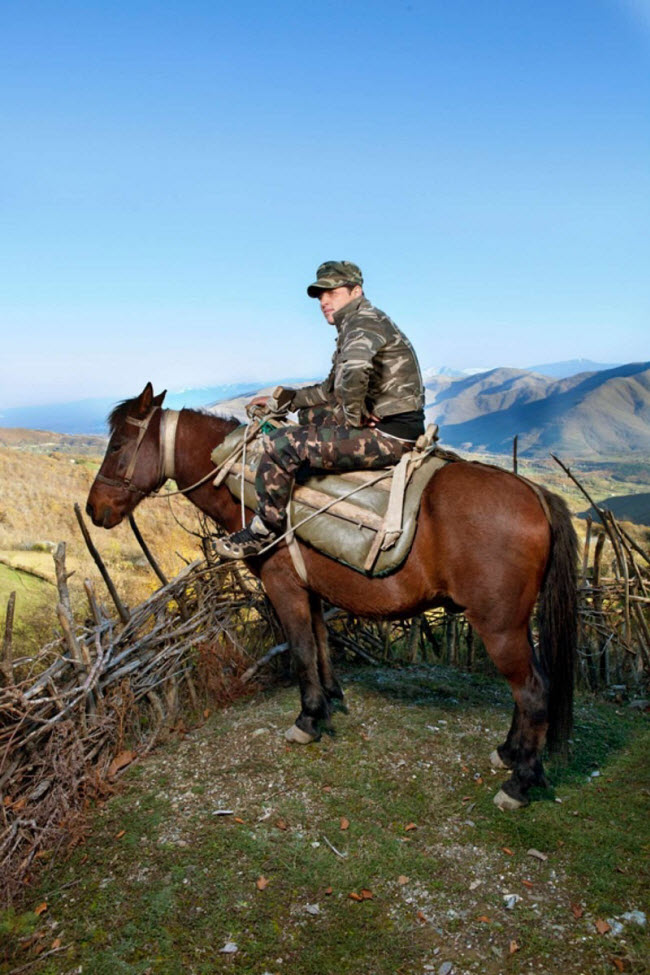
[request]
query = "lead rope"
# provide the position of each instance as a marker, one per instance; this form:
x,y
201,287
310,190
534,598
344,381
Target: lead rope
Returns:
x,y
380,477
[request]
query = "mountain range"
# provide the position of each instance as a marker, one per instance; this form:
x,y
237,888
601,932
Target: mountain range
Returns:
x,y
602,412
589,415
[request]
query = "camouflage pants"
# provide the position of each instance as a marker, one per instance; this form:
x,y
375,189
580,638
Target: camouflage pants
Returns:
x,y
320,443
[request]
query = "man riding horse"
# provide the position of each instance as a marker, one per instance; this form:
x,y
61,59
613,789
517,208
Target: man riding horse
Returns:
x,y
365,415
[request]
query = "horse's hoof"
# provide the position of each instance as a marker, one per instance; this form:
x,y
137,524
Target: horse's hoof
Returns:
x,y
506,802
496,761
298,736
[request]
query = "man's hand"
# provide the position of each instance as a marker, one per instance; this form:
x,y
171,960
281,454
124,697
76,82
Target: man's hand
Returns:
x,y
278,402
262,401
370,421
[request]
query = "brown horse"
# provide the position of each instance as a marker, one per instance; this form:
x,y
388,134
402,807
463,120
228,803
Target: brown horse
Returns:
x,y
487,544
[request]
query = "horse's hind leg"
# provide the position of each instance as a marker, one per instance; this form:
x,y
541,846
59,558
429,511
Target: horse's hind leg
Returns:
x,y
329,682
504,756
514,657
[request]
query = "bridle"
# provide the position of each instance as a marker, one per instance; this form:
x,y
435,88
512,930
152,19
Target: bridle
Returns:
x,y
167,439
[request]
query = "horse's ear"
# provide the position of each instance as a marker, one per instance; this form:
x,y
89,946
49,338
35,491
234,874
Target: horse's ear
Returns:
x,y
145,400
158,400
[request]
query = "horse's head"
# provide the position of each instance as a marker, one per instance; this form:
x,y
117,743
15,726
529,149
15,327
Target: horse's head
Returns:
x,y
131,467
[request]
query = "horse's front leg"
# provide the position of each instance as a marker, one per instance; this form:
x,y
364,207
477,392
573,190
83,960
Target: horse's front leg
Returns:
x,y
328,679
293,607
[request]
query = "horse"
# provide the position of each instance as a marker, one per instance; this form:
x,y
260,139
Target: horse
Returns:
x,y
488,543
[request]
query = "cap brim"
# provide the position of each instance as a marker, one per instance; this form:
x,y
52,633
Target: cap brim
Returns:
x,y
326,284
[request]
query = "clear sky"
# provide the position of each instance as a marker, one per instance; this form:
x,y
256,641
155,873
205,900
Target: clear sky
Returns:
x,y
172,173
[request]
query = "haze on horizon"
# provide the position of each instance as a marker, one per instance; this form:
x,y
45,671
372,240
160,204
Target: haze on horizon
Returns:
x,y
173,174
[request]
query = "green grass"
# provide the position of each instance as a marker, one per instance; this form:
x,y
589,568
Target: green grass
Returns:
x,y
34,614
162,883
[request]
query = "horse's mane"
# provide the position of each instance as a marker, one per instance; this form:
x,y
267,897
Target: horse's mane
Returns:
x,y
119,413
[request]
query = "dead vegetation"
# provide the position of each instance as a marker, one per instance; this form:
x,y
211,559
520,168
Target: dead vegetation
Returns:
x,y
36,512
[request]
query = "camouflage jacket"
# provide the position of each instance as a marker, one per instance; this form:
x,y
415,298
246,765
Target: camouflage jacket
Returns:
x,y
374,368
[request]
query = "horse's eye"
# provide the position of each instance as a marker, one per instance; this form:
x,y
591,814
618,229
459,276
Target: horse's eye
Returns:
x,y
114,447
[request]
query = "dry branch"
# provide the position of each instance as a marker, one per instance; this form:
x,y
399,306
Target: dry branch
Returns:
x,y
99,562
6,662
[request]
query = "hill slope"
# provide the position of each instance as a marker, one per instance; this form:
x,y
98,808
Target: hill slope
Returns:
x,y
591,415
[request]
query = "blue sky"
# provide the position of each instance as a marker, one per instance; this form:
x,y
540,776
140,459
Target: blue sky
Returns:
x,y
172,173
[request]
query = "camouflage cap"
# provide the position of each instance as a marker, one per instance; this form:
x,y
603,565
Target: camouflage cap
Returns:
x,y
335,274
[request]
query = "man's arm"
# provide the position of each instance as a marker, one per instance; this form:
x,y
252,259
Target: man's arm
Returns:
x,y
354,371
314,395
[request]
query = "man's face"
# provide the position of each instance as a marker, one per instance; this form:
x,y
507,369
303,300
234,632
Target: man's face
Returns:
x,y
331,301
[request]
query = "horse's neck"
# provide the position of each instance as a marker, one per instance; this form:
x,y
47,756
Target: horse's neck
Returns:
x,y
197,434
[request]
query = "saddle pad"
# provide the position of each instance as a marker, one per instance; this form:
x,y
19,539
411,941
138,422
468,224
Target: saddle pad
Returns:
x,y
347,530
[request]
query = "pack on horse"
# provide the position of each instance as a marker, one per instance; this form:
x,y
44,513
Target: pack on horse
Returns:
x,y
486,544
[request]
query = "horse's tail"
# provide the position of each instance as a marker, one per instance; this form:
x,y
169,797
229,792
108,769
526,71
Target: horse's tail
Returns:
x,y
558,623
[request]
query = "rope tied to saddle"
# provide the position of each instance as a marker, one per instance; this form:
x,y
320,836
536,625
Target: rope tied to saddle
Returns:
x,y
386,533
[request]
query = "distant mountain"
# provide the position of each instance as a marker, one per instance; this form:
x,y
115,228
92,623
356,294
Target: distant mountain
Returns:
x,y
434,371
554,370
590,415
625,507
571,367
453,401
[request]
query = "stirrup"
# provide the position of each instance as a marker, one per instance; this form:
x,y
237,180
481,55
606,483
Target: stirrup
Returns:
x,y
246,542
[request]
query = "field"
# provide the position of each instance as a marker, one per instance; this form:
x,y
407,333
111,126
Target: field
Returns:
x,y
374,852
40,485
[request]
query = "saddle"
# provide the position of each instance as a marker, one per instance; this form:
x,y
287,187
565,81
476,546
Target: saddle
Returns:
x,y
364,519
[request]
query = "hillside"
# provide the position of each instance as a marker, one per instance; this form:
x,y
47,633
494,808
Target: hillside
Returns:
x,y
45,441
591,415
454,401
634,508
38,493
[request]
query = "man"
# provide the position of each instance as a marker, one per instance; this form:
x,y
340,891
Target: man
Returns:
x,y
365,415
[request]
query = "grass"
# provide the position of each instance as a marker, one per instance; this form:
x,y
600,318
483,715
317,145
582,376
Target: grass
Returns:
x,y
34,611
39,491
404,790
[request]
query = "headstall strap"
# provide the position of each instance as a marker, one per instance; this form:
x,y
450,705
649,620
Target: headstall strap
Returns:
x,y
126,480
167,436
143,425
